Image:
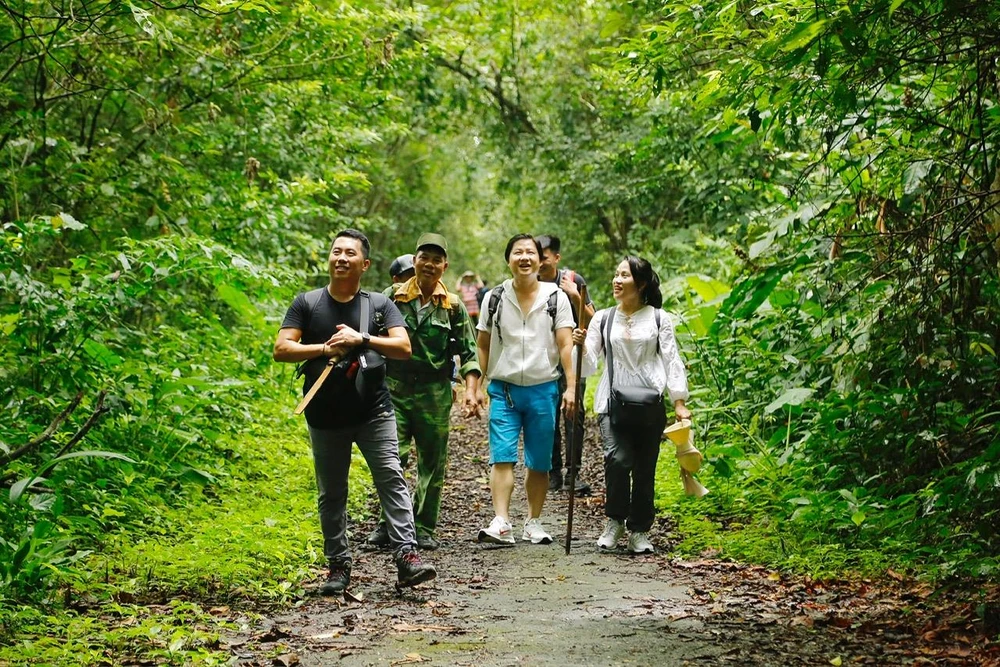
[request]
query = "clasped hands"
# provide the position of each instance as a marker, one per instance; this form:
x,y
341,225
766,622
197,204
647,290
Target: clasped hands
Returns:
x,y
341,342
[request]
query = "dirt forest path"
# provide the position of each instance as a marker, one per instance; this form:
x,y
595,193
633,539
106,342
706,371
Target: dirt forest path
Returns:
x,y
534,605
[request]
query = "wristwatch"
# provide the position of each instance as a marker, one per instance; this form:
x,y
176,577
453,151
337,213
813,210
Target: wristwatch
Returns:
x,y
365,339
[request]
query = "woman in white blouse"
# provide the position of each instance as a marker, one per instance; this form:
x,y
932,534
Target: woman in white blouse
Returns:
x,y
645,355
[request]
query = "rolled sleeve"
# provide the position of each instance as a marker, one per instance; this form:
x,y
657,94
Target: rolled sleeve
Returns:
x,y
466,338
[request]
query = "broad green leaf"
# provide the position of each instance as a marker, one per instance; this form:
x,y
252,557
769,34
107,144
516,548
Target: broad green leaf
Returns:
x,y
793,396
238,301
614,23
83,454
759,247
20,486
708,288
748,295
802,34
915,174
101,354
67,221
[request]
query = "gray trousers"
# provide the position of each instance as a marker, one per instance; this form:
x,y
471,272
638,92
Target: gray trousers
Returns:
x,y
331,448
630,455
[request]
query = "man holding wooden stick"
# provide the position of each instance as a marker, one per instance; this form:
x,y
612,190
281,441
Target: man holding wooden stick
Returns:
x,y
575,287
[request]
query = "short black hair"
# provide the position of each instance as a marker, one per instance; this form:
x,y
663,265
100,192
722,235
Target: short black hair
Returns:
x,y
520,237
366,246
642,272
548,242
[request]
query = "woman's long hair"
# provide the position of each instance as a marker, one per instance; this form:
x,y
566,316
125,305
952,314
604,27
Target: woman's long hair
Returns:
x,y
643,274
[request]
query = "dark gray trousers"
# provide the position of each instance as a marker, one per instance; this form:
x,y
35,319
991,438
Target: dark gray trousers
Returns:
x,y
630,454
331,448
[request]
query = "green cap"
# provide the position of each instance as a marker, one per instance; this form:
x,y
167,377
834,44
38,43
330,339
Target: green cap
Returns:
x,y
433,239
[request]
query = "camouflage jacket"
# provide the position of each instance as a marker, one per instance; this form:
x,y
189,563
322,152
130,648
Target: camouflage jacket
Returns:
x,y
446,331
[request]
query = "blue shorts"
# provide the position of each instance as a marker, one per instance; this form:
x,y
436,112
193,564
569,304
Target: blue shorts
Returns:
x,y
532,409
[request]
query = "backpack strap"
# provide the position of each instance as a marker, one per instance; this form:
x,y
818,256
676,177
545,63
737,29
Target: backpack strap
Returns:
x,y
313,298
552,307
366,305
493,310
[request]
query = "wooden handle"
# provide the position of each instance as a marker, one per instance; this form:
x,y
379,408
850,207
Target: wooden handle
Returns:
x,y
300,408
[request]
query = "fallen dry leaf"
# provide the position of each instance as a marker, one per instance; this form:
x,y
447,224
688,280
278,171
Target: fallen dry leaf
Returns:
x,y
407,627
409,659
287,660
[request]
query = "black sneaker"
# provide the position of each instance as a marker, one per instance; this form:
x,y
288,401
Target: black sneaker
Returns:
x,y
555,480
410,570
379,537
338,580
427,542
580,488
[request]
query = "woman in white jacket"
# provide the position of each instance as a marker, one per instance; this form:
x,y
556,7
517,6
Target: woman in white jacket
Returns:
x,y
645,355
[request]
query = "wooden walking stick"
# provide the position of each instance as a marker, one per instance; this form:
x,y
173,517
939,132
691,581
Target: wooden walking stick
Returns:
x,y
571,482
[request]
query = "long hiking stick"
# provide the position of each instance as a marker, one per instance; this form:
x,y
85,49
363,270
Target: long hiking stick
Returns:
x,y
570,436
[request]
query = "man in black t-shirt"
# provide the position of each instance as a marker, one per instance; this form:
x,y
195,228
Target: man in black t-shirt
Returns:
x,y
571,283
353,404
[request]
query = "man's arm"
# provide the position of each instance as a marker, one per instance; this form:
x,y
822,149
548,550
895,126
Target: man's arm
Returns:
x,y
572,290
564,341
483,349
467,356
287,347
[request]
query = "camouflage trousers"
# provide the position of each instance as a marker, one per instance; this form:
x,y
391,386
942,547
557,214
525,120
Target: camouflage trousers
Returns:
x,y
423,414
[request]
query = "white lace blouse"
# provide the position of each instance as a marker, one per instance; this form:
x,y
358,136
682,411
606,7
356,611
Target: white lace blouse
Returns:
x,y
638,361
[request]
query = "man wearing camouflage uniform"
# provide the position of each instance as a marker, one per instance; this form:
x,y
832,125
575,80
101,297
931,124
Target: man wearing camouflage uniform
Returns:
x,y
439,328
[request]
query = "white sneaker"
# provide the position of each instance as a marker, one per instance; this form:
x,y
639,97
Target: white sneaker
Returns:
x,y
638,543
534,533
613,532
499,532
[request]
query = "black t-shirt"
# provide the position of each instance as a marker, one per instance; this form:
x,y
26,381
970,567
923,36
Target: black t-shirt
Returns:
x,y
337,403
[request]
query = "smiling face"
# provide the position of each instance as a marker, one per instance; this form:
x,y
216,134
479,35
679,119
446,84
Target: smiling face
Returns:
x,y
549,265
623,285
430,263
524,259
347,259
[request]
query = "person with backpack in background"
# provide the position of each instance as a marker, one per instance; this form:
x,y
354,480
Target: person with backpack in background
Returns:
x,y
572,283
439,328
351,403
524,335
637,339
468,287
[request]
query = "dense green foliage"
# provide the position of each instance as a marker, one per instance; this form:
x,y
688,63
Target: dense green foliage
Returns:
x,y
817,183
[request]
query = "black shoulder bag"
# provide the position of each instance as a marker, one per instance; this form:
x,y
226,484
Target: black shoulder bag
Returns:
x,y
631,406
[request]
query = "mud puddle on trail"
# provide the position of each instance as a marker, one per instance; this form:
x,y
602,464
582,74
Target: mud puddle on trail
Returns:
x,y
535,605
